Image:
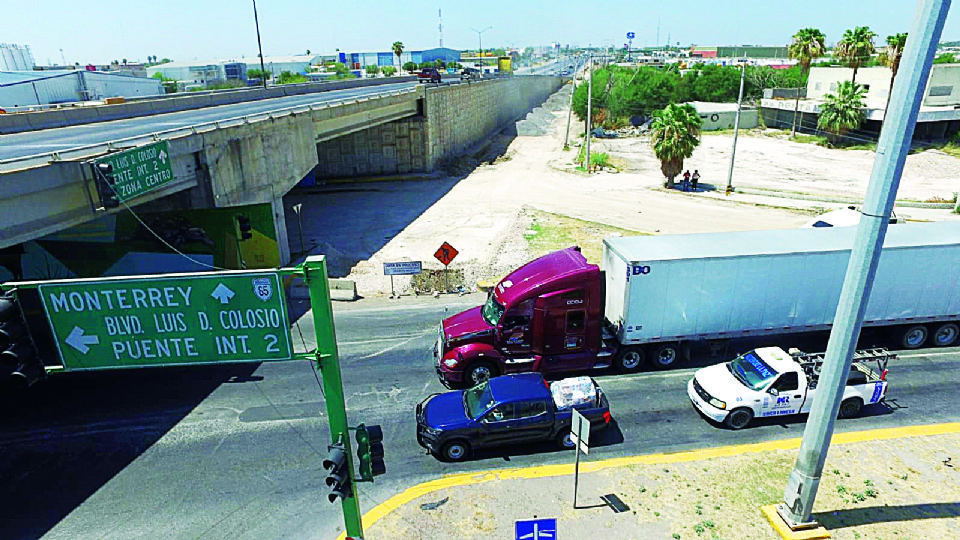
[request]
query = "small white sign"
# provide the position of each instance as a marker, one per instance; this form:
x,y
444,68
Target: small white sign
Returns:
x,y
402,268
580,431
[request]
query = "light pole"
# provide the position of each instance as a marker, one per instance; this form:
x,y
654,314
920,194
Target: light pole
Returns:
x,y
736,129
263,72
480,39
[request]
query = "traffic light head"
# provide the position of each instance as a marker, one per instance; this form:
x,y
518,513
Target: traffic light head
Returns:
x,y
338,472
18,356
370,451
103,172
243,225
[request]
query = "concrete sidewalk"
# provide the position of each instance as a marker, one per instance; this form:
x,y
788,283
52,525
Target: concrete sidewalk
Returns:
x,y
900,483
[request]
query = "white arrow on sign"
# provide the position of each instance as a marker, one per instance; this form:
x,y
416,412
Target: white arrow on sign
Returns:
x,y
163,157
78,341
223,293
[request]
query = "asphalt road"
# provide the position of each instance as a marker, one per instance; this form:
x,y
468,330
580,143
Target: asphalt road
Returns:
x,y
52,140
234,451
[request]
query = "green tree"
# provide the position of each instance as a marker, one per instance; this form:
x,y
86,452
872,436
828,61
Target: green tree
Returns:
x,y
945,58
389,71
257,74
674,135
856,48
806,46
397,49
342,71
842,111
717,84
289,77
890,56
409,67
372,70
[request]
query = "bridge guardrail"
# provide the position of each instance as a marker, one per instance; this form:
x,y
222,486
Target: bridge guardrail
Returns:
x,y
90,150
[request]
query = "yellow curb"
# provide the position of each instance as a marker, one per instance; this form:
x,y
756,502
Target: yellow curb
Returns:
x,y
546,471
784,530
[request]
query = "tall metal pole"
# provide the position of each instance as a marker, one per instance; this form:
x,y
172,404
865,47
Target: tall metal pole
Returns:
x,y
263,70
589,112
892,147
736,130
480,39
315,276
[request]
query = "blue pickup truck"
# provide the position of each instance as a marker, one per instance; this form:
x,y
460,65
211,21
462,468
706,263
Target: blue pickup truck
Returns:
x,y
511,409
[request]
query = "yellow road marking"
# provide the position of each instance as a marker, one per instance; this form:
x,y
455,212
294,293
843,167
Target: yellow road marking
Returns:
x,y
545,471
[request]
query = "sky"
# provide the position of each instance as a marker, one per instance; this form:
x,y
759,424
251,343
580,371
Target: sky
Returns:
x,y
98,31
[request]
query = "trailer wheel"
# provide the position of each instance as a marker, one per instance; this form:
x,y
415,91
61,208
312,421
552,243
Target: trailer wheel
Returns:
x,y
913,337
666,355
565,441
480,372
738,418
946,335
455,450
629,359
850,408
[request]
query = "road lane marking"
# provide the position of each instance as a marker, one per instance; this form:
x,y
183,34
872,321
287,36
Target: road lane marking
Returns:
x,y
392,347
381,340
545,471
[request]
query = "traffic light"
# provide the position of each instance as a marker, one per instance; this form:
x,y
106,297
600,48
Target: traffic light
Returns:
x,y
18,356
370,452
105,185
243,225
338,473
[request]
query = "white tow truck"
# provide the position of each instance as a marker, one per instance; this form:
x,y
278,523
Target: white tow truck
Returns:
x,y
770,382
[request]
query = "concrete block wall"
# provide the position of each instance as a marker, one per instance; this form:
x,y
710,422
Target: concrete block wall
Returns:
x,y
392,148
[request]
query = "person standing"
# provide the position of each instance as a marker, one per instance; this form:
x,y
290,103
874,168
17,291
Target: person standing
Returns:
x,y
686,180
694,179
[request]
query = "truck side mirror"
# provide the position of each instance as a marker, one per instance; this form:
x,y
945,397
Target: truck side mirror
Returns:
x,y
773,392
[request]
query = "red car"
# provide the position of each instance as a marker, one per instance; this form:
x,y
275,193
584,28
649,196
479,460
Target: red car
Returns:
x,y
429,75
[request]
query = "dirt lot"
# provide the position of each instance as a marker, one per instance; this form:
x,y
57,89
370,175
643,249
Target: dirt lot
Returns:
x,y
487,214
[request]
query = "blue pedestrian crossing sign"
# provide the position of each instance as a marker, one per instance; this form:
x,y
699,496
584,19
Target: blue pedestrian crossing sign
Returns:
x,y
537,529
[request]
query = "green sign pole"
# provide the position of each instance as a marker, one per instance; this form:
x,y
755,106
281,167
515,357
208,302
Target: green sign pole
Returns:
x,y
315,275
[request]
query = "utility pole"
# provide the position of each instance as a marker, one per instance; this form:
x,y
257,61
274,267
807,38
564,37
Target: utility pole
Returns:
x,y
480,39
589,112
892,147
256,22
573,82
736,130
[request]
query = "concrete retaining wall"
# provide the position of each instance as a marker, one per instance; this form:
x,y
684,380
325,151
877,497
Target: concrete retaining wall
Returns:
x,y
393,148
13,123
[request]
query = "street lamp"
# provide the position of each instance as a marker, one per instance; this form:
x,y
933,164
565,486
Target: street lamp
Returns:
x,y
480,39
263,72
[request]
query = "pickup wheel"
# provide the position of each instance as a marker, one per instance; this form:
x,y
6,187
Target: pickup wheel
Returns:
x,y
479,372
850,408
666,355
914,336
738,418
565,441
455,450
946,334
629,359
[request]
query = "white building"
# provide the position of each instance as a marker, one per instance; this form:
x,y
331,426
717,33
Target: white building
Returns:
x,y
275,65
24,89
15,57
724,115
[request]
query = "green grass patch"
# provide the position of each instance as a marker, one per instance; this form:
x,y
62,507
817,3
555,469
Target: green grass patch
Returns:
x,y
818,140
551,232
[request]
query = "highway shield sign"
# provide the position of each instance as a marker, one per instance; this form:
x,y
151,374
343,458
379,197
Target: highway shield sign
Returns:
x,y
165,320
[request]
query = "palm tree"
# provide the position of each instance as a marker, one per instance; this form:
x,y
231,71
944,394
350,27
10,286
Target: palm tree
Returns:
x,y
397,50
842,111
807,44
674,135
855,48
890,57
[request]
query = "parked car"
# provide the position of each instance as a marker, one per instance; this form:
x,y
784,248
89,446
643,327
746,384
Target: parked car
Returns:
x,y
520,408
469,74
429,75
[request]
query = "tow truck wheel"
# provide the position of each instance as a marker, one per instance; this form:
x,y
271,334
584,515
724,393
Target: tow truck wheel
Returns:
x,y
738,418
850,408
666,355
455,450
946,334
629,359
913,337
480,372
564,441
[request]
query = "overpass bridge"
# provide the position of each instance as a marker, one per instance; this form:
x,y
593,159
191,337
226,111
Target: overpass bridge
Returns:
x,y
244,156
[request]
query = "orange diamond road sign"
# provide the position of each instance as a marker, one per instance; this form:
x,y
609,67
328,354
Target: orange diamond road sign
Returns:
x,y
446,254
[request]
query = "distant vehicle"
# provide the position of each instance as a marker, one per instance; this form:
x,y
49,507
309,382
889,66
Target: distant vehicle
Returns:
x,y
844,217
770,382
504,65
469,74
429,75
521,408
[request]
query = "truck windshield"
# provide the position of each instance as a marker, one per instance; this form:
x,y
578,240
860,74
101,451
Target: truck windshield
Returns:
x,y
477,400
750,370
492,310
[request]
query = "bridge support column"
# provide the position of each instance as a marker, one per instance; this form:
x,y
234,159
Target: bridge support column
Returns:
x,y
280,229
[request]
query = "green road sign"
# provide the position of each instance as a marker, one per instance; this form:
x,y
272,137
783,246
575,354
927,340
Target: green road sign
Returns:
x,y
173,319
140,170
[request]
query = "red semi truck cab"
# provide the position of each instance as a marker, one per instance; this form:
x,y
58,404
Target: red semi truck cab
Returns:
x,y
546,316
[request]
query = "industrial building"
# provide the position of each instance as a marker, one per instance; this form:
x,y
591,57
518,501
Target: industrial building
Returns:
x,y
15,57
202,72
742,51
27,89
